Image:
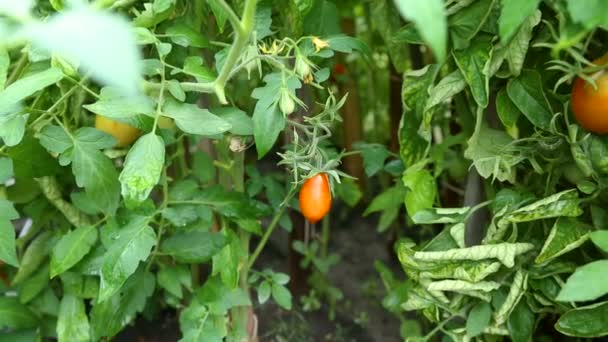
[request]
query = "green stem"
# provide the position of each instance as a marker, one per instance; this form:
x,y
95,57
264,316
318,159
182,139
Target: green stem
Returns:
x,y
241,315
21,64
273,223
242,31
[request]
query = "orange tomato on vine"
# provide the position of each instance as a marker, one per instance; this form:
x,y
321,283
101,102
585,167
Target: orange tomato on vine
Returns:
x,y
315,197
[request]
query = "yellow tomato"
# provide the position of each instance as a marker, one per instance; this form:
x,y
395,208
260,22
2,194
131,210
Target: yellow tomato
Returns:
x,y
123,133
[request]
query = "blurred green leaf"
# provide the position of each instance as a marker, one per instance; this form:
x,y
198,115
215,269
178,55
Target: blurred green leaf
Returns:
x,y
103,43
430,20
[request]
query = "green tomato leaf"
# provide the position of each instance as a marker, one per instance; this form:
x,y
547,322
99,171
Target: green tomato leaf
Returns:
x,y
12,128
241,123
478,319
421,192
96,173
6,170
27,86
513,14
516,291
600,239
526,92
281,296
8,252
588,282
473,63
503,252
566,234
430,20
414,135
193,246
588,321
521,323
143,168
5,62
54,139
173,278
71,248
35,254
468,21
182,34
72,323
33,286
589,13
518,47
15,315
194,120
508,113
132,245
263,292
115,105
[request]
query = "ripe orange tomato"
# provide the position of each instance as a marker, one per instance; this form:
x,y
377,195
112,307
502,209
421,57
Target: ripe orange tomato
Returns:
x,y
123,133
590,106
315,197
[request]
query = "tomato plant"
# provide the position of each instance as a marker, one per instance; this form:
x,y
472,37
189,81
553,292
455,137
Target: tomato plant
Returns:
x,y
152,150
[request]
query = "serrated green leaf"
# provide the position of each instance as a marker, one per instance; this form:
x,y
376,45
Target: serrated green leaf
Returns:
x,y
143,168
518,47
133,245
526,92
468,21
473,63
54,139
96,173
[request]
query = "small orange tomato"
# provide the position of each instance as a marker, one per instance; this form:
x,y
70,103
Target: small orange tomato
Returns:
x,y
590,105
123,133
315,197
